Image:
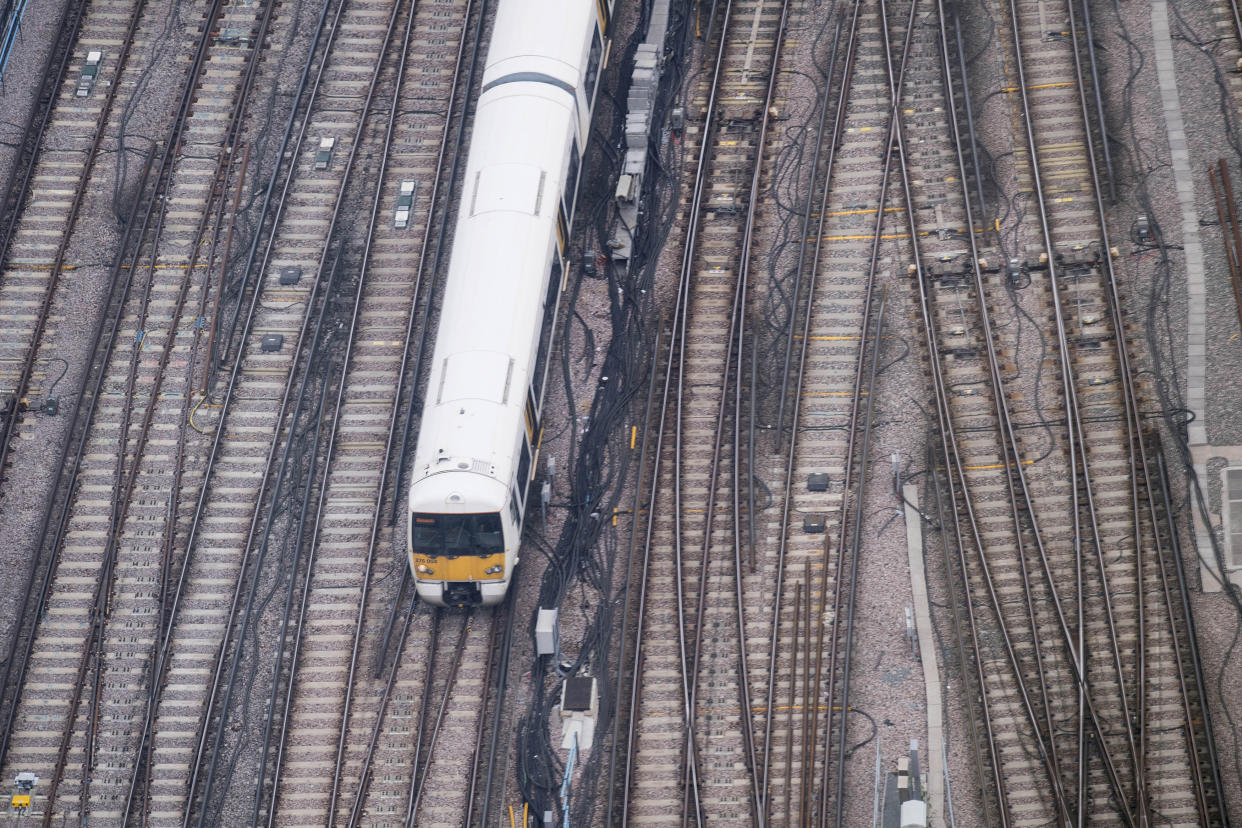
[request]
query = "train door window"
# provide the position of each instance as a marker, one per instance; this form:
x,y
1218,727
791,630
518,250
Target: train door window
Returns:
x,y
592,71
523,470
571,180
532,416
545,332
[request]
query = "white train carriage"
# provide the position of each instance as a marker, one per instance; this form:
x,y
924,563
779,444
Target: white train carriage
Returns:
x,y
478,441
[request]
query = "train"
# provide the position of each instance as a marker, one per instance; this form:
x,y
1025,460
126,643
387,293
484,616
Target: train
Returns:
x,y
481,427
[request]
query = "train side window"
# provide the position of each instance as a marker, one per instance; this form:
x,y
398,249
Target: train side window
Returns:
x,y
592,71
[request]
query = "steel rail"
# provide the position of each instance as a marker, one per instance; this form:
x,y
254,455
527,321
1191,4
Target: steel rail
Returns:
x,y
163,647
955,603
481,724
350,340
55,68
424,706
1046,739
636,670
792,699
795,415
1188,717
806,775
81,425
734,340
1096,89
860,362
269,216
676,366
126,483
855,549
1000,406
142,764
811,730
223,174
640,612
333,229
1192,639
834,145
967,108
363,271
1134,426
759,794
24,169
502,691
318,336
1017,467
1138,452
122,498
1079,465
382,483
259,558
282,639
806,211
68,481
364,773
419,779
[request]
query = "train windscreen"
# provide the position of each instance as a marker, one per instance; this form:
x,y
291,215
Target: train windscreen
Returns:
x,y
456,535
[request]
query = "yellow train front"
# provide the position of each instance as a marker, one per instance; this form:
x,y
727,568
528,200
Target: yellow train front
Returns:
x,y
478,440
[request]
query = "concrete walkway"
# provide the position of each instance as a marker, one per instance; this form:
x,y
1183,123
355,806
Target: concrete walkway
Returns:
x,y
927,655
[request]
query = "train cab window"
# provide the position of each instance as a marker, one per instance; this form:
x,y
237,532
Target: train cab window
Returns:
x,y
456,535
592,71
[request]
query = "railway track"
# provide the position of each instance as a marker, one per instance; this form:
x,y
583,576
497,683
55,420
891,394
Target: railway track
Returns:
x,y
840,239
322,593
375,780
98,524
181,651
668,758
1070,554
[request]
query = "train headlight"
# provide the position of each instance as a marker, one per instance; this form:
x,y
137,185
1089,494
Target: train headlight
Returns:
x,y
494,570
423,569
